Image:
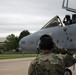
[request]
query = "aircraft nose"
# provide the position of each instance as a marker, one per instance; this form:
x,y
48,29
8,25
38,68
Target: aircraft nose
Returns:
x,y
22,45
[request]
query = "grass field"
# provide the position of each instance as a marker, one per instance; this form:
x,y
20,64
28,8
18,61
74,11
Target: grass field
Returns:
x,y
11,56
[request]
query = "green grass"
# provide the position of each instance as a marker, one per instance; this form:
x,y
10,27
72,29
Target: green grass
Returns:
x,y
10,56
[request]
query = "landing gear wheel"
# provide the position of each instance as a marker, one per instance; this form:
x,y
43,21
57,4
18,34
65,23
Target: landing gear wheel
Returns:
x,y
68,72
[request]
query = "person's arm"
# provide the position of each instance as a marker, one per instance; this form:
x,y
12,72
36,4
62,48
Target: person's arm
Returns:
x,y
69,60
32,70
62,50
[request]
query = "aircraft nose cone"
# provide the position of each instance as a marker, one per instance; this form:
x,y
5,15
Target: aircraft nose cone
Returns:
x,y
21,45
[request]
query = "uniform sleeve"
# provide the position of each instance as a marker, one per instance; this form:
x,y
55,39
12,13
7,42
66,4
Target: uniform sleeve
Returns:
x,y
69,60
31,69
65,51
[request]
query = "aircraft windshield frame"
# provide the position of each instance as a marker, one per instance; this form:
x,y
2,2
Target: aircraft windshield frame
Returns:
x,y
56,21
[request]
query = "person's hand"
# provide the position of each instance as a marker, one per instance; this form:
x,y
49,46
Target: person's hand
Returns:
x,y
58,46
61,50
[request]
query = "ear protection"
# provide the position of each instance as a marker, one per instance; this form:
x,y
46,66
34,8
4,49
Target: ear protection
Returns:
x,y
38,45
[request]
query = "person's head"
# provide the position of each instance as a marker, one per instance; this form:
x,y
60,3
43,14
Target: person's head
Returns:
x,y
46,42
67,17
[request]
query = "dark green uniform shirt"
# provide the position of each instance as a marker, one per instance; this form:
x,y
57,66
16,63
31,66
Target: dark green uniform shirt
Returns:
x,y
50,64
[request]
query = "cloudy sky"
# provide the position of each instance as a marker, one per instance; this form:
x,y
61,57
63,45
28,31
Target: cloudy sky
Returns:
x,y
31,15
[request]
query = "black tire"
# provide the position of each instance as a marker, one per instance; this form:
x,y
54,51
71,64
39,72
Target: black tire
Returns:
x,y
68,72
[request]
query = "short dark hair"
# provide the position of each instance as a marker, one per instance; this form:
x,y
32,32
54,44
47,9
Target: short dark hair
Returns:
x,y
46,42
67,17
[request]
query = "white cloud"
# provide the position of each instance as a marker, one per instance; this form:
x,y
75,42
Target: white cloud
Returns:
x,y
17,15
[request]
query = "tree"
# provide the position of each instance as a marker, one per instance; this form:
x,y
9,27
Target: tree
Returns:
x,y
11,42
23,33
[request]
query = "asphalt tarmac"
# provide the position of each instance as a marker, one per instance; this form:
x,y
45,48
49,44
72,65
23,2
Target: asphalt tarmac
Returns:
x,y
17,66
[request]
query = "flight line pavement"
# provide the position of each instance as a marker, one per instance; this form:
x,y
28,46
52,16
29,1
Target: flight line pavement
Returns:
x,y
18,66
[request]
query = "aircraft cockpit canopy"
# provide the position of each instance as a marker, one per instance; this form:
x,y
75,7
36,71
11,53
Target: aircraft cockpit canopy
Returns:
x,y
53,22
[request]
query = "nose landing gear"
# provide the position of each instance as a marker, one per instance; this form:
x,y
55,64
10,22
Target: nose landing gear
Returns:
x,y
68,72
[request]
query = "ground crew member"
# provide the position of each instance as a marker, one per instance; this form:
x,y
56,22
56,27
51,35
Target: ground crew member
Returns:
x,y
49,63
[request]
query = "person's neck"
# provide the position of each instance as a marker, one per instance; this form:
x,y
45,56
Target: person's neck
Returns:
x,y
45,51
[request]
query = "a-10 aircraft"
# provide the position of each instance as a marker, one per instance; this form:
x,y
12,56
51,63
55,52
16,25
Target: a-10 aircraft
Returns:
x,y
62,34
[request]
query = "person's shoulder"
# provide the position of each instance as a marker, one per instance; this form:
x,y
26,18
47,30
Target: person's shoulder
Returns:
x,y
33,61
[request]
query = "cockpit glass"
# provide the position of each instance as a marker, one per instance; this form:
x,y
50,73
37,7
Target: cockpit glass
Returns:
x,y
72,4
53,22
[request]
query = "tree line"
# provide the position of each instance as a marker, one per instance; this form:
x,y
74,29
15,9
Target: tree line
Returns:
x,y
12,41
